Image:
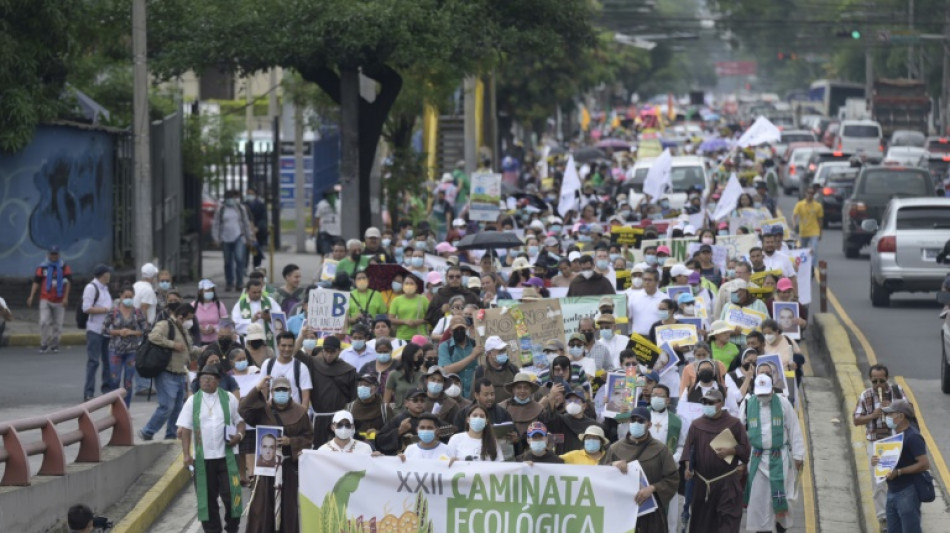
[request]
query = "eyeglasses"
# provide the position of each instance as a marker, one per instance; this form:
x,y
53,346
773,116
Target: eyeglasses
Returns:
x,y
344,425
629,365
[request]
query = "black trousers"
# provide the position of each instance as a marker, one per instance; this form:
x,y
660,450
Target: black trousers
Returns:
x,y
216,471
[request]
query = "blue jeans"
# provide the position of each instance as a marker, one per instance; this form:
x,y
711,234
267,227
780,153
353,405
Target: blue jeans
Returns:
x,y
97,353
235,258
812,243
903,511
171,396
141,384
121,371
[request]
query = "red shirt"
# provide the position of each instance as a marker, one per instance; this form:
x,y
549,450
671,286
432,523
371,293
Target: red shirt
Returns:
x,y
50,295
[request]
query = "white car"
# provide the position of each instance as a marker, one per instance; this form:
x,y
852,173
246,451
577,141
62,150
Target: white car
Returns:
x,y
687,172
860,136
906,156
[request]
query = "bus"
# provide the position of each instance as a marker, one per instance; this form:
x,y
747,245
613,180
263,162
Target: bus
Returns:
x,y
829,95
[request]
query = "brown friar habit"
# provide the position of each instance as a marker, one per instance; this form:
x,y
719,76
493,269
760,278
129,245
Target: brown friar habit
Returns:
x,y
568,426
523,415
255,410
661,471
448,408
334,386
721,511
368,414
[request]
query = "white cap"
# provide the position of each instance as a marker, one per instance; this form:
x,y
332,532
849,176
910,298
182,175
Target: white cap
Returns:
x,y
763,384
342,415
371,232
739,284
679,269
458,223
149,270
205,284
447,178
474,282
536,224
495,343
573,256
520,263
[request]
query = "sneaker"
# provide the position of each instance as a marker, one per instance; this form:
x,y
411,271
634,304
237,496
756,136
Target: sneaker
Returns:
x,y
43,349
882,523
54,349
143,436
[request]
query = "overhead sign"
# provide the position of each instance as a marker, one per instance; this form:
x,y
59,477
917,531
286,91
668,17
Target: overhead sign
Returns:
x,y
736,68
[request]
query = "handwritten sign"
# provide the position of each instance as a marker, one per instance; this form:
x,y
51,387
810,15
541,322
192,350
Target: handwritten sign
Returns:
x,y
677,334
327,310
747,319
626,236
526,325
647,353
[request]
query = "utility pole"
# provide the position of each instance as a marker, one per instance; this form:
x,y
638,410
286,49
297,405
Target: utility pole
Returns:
x,y
868,72
910,49
945,89
471,151
300,178
142,182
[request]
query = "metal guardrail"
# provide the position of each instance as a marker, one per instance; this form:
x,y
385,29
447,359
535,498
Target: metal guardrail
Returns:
x,y
16,453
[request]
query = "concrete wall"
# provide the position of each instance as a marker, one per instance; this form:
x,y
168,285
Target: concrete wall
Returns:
x,y
57,191
42,506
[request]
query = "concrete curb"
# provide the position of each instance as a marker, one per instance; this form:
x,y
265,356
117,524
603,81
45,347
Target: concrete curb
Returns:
x,y
156,500
850,385
33,339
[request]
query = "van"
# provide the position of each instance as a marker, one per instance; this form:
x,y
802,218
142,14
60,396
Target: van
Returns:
x,y
860,136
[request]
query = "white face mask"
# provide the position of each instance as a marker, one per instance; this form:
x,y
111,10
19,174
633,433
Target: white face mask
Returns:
x,y
573,408
187,324
770,338
344,433
636,282
453,391
587,273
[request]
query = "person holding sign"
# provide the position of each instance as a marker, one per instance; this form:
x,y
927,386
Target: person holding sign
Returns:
x,y
749,308
903,499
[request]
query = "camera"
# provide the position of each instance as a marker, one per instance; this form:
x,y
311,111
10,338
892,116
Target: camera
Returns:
x,y
101,522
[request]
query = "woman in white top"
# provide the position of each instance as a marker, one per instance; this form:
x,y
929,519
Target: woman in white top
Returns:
x,y
383,329
478,442
429,446
776,342
456,306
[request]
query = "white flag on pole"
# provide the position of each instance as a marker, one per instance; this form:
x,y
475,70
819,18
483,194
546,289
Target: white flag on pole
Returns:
x,y
729,198
761,131
658,179
569,187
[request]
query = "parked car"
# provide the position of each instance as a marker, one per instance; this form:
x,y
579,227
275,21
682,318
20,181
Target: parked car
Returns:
x,y
873,189
904,249
860,136
834,180
794,164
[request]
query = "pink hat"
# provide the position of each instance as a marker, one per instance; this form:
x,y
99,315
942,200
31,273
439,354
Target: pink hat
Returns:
x,y
784,284
723,225
663,250
434,277
444,247
419,340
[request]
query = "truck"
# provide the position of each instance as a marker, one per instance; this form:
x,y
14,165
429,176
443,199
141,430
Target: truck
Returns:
x,y
900,104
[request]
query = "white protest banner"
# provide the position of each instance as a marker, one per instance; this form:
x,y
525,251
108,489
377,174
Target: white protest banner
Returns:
x,y
677,335
801,258
729,198
689,411
736,245
888,452
347,493
485,196
745,318
554,292
437,263
327,310
247,382
658,180
760,132
570,185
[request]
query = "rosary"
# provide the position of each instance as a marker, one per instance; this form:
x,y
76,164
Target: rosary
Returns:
x,y
214,400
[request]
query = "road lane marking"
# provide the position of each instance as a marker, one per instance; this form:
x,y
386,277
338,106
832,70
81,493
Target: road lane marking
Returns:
x,y
938,462
858,334
808,485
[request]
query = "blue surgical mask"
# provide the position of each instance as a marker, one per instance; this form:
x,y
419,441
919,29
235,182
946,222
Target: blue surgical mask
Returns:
x,y
723,232
397,286
502,358
240,366
592,445
417,261
576,351
384,357
477,424
281,397
890,422
427,435
408,234
731,273
128,302
519,401
533,250
358,344
614,257
606,334
363,392
309,345
387,242
734,298
650,259
455,243
657,403
209,295
709,411
538,446
661,260
663,314
602,264
164,285
556,228
583,238
421,245
637,429
434,387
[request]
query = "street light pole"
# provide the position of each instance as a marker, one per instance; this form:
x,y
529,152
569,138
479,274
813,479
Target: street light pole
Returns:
x,y
142,181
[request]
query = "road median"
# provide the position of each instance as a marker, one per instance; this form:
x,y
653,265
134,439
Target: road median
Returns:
x,y
156,499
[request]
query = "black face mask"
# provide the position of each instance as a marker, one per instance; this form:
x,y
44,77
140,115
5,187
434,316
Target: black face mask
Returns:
x,y
224,341
747,366
172,306
705,376
459,335
256,345
417,364
429,363
589,335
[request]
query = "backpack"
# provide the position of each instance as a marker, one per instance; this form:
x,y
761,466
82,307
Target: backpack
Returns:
x,y
152,359
82,317
270,367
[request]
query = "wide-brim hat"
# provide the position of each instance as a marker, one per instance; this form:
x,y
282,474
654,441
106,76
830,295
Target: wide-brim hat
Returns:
x,y
595,431
522,377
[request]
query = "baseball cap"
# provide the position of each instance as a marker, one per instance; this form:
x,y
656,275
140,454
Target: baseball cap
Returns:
x,y
101,269
641,412
713,395
653,376
537,428
205,284
578,337
900,406
369,377
434,278
447,178
474,283
554,344
685,298
458,223
679,269
784,284
149,270
694,278
763,384
53,249
280,382
436,370
444,247
705,248
340,416
573,256
331,343
415,393
495,343
371,232
739,284
255,332
663,250
550,241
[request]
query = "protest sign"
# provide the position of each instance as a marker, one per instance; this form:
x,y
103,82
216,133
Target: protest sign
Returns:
x,y
623,280
702,306
772,222
759,277
698,323
650,504
525,326
786,314
575,308
342,492
804,264
674,291
619,398
247,382
667,360
744,317
266,450
677,334
647,353
329,270
689,411
553,292
626,235
327,310
485,196
778,370
736,245
888,451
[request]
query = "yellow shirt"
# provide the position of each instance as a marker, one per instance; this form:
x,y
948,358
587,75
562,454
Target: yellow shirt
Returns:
x,y
581,457
809,218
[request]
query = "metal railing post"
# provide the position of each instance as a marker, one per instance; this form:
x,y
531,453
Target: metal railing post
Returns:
x,y
17,471
823,285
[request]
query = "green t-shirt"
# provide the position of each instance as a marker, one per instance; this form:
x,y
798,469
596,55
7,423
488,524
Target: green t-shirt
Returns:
x,y
726,354
371,302
400,387
346,265
405,308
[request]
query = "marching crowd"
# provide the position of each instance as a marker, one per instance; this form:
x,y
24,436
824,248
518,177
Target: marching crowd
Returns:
x,y
714,429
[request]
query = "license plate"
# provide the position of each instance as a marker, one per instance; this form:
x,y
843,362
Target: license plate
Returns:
x,y
930,254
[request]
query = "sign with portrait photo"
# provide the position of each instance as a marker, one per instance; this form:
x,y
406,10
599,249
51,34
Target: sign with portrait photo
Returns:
x,y
786,314
267,451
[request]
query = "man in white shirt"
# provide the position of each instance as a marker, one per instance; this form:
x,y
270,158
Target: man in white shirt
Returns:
x,y
145,299
97,303
614,342
253,306
429,446
358,354
343,430
643,306
287,366
774,259
219,429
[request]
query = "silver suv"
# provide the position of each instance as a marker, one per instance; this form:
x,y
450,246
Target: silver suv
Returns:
x,y
904,248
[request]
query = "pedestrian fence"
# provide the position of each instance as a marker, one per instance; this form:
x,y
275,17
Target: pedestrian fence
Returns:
x,y
52,444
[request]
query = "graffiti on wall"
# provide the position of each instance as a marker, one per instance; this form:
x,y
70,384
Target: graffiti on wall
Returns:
x,y
57,191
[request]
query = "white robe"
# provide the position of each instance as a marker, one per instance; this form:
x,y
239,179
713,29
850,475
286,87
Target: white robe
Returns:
x,y
759,514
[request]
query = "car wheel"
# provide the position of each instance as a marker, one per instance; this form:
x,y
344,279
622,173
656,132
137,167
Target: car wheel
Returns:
x,y
880,297
944,366
850,251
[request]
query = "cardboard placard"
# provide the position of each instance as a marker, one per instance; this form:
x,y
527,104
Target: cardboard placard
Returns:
x,y
327,310
525,326
626,235
647,353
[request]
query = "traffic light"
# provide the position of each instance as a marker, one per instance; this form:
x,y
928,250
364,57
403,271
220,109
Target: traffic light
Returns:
x,y
848,34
